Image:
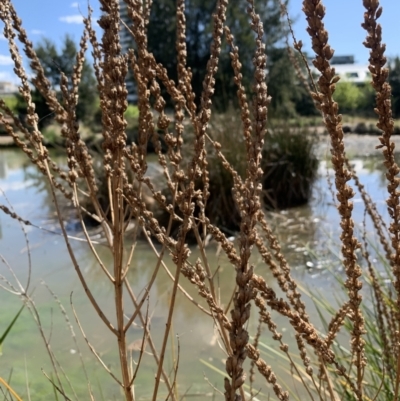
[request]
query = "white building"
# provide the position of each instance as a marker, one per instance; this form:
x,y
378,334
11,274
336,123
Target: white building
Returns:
x,y
348,70
356,73
7,88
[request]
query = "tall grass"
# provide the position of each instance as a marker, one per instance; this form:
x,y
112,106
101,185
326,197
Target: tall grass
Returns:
x,y
315,361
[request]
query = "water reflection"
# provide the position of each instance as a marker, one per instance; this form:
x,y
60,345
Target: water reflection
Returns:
x,y
308,234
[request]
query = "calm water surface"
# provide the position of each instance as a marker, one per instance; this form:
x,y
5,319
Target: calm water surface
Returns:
x,y
309,234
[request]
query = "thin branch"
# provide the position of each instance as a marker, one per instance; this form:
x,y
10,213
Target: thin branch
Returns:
x,y
90,345
60,390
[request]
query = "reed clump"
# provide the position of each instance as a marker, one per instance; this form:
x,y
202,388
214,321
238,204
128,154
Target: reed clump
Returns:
x,y
288,163
187,176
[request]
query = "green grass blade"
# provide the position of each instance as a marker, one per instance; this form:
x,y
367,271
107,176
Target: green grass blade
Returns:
x,y
5,334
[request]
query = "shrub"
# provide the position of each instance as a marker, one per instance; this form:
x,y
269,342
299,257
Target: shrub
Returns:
x,y
361,128
288,163
131,115
11,102
289,166
348,95
374,130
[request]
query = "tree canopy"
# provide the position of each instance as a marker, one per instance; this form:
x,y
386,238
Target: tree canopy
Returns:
x,y
162,36
54,62
394,80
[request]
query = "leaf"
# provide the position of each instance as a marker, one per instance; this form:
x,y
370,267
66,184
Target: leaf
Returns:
x,y
3,337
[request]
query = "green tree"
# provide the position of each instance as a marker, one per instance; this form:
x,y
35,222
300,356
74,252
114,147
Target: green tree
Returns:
x,y
289,96
162,35
394,80
54,62
367,100
348,95
355,98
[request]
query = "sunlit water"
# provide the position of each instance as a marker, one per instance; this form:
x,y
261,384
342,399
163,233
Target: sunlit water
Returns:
x,y
310,238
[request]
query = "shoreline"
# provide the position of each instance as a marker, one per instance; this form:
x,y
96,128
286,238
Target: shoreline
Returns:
x,y
355,144
6,141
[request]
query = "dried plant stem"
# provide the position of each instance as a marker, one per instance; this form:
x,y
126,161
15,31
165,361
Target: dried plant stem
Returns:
x,y
183,291
180,260
210,278
315,12
160,262
149,338
9,388
379,73
91,346
118,246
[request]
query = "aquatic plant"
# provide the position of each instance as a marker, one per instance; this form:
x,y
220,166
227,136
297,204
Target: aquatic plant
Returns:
x,y
319,367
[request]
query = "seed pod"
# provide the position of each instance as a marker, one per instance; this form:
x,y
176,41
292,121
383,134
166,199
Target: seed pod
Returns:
x,y
239,381
227,385
228,366
298,45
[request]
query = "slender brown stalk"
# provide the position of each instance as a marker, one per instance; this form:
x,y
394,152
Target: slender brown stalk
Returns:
x,y
315,12
115,93
377,61
179,261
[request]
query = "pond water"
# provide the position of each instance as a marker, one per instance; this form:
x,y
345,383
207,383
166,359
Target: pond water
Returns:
x,y
310,239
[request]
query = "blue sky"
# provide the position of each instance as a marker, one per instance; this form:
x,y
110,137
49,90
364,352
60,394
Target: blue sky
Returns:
x,y
55,18
45,18
343,22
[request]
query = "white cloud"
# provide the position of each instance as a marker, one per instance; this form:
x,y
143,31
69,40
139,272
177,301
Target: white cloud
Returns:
x,y
75,4
37,32
9,77
5,60
72,19
17,186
